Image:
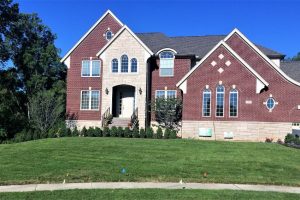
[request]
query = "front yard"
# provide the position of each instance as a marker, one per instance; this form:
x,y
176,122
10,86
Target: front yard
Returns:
x,y
103,159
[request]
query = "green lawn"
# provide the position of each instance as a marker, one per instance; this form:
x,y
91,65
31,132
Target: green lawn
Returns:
x,y
150,194
101,159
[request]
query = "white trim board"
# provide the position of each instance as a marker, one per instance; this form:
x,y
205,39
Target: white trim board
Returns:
x,y
117,35
260,53
89,31
233,53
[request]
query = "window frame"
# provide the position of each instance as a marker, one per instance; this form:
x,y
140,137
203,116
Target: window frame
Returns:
x,y
112,66
131,65
165,93
274,103
166,59
203,93
111,34
91,68
216,109
90,100
237,102
121,65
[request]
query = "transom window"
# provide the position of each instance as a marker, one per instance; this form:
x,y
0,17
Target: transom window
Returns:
x,y
108,35
90,68
114,66
270,103
206,103
166,67
133,65
90,100
124,63
233,103
165,94
220,101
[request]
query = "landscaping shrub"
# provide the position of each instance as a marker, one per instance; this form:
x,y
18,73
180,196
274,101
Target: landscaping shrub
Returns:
x,y
20,137
106,132
142,133
90,132
114,131
291,139
269,140
68,132
173,134
149,132
127,133
159,133
167,133
3,135
98,132
52,133
135,133
75,132
83,132
120,132
36,135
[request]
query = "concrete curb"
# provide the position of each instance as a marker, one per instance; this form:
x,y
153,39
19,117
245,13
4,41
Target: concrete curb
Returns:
x,y
147,185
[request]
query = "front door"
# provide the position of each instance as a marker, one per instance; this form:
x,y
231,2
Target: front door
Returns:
x,y
126,102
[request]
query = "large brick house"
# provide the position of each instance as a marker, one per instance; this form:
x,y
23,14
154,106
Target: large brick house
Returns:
x,y
230,87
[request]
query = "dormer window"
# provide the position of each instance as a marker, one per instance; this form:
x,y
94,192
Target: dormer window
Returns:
x,y
166,67
108,35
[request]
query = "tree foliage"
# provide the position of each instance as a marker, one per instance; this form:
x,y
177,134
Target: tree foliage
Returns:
x,y
168,112
297,57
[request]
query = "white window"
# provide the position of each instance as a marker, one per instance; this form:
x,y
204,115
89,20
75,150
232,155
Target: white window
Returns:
x,y
108,35
133,65
206,103
90,100
166,67
220,101
124,64
114,66
90,68
233,103
165,94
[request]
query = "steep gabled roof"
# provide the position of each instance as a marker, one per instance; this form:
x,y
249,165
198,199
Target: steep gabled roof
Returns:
x,y
291,68
108,12
191,45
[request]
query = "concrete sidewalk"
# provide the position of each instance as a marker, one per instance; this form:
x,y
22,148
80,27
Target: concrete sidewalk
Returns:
x,y
153,185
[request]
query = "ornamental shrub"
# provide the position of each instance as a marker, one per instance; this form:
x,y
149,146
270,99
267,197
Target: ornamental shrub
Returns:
x,y
159,133
173,134
127,133
142,133
167,133
114,131
120,131
83,132
106,132
75,132
135,133
98,132
149,132
90,132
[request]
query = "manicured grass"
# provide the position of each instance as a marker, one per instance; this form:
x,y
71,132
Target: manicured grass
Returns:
x,y
101,159
142,194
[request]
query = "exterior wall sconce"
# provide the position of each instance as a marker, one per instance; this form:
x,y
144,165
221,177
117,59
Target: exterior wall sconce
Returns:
x,y
106,91
140,91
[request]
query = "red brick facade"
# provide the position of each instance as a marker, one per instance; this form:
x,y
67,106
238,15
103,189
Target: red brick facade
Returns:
x,y
89,47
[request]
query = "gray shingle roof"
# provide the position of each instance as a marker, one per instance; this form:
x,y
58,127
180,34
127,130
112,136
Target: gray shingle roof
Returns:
x,y
190,45
291,68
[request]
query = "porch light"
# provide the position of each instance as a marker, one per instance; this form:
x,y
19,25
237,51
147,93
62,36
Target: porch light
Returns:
x,y
140,91
106,91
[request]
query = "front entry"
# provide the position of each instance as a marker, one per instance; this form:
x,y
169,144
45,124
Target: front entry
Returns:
x,y
123,101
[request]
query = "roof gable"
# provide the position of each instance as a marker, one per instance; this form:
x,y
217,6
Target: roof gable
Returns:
x,y
108,12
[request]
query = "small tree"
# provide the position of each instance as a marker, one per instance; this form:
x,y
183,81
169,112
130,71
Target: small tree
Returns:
x,y
149,132
159,133
168,112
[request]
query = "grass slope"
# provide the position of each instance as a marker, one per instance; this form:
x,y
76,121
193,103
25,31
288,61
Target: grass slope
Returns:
x,y
149,194
101,159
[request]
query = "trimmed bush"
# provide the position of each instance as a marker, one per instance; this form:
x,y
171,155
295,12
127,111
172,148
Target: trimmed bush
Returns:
x,y
114,131
75,132
68,132
142,133
3,134
173,134
90,132
106,132
135,133
149,132
291,139
83,132
120,132
167,133
159,133
127,133
98,132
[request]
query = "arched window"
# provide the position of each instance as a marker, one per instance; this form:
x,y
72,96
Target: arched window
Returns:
x,y
220,101
108,35
166,67
114,66
124,64
233,103
133,65
206,103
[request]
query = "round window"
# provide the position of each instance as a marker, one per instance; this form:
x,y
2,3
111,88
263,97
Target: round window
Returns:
x,y
270,103
108,35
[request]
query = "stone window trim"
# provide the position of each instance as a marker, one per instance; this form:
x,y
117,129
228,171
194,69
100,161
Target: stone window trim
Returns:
x,y
108,34
90,61
270,100
129,65
89,100
166,62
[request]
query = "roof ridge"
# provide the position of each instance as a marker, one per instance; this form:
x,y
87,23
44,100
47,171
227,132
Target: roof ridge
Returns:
x,y
196,36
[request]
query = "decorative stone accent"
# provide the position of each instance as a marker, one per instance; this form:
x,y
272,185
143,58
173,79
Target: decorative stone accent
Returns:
x,y
220,70
213,63
221,56
228,63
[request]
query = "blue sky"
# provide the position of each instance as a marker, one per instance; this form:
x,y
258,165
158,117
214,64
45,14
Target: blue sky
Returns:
x,y
274,24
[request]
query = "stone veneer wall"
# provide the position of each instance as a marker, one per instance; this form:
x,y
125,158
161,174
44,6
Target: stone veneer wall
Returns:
x,y
242,130
83,123
125,44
